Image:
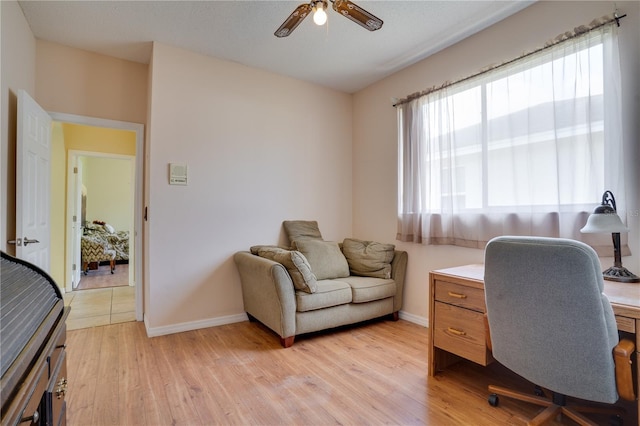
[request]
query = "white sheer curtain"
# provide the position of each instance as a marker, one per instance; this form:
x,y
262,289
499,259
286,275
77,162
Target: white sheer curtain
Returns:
x,y
527,148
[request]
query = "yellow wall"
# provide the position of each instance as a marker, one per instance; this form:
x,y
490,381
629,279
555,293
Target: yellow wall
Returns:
x,y
99,139
66,137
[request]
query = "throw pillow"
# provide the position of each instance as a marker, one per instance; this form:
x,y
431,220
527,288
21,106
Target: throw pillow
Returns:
x,y
301,229
368,258
326,259
297,265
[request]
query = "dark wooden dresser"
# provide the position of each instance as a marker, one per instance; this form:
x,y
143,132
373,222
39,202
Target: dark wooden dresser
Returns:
x,y
32,346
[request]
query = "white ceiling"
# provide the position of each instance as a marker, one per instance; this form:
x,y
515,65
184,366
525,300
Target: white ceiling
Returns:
x,y
340,55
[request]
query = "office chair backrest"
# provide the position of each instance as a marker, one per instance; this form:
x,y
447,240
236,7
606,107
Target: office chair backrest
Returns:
x,y
549,319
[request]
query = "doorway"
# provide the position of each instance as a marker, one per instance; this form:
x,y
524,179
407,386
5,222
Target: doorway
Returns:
x,y
100,193
100,147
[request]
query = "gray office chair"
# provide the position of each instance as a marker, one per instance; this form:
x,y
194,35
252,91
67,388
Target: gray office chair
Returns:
x,y
550,322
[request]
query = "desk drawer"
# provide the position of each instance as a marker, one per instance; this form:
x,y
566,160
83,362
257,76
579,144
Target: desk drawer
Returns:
x,y
460,295
33,406
626,324
58,348
54,404
461,332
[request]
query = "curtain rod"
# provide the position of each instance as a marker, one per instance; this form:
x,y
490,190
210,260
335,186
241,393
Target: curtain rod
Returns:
x,y
568,35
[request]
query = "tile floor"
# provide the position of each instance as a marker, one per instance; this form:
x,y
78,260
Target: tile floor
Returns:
x,y
102,306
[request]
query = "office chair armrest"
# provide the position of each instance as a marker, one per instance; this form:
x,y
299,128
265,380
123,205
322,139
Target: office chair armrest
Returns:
x,y
624,379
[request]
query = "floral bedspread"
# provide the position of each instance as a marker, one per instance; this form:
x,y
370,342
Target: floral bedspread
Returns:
x,y
117,240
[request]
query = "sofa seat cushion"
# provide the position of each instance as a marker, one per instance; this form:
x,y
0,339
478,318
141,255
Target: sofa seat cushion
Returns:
x,y
366,289
329,293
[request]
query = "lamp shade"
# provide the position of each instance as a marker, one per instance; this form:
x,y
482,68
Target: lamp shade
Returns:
x,y
605,219
604,222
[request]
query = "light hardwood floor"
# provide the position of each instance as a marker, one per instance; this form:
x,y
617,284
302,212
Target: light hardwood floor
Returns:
x,y
374,373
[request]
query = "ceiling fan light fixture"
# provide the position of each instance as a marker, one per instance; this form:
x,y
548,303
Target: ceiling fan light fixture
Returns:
x,y
319,15
319,7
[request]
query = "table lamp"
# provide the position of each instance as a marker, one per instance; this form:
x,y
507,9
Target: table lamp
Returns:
x,y
605,219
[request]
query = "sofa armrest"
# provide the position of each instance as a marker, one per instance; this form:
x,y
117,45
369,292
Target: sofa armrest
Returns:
x,y
398,273
267,292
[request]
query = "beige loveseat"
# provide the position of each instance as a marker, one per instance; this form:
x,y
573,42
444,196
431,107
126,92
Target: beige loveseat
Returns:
x,y
315,284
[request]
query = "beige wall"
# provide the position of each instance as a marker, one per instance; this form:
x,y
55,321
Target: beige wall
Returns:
x,y
375,129
60,79
75,81
261,148
18,58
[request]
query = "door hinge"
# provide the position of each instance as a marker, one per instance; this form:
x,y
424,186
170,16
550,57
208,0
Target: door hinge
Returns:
x,y
73,267
75,170
75,218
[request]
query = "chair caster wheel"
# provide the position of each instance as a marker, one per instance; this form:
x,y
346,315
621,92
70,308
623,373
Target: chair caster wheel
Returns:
x,y
616,421
493,400
538,391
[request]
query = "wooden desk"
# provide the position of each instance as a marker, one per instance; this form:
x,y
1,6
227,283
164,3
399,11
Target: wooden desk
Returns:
x,y
457,308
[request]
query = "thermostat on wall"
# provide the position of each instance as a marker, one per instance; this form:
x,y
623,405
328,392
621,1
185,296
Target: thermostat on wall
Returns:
x,y
177,173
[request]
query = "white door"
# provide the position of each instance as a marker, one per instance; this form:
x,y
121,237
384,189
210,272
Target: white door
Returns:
x,y
33,183
76,222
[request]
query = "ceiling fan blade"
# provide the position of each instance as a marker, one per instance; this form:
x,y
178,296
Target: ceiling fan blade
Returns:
x,y
357,14
293,20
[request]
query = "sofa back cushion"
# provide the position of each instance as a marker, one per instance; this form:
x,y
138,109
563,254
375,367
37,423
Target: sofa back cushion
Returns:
x,y
326,260
301,230
368,258
295,262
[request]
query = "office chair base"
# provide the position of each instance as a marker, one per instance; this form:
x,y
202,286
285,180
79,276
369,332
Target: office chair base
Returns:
x,y
552,409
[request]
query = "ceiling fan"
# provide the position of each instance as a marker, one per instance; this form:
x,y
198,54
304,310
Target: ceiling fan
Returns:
x,y
343,7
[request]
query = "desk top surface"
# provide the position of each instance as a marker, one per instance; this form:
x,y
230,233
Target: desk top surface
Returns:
x,y
622,295
625,295
474,271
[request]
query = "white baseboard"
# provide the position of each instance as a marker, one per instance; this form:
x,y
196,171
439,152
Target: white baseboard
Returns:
x,y
230,319
193,325
414,319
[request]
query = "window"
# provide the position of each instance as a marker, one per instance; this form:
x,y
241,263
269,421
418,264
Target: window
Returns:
x,y
519,150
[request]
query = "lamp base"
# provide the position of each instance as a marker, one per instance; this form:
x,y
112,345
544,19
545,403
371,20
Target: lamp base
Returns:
x,y
620,274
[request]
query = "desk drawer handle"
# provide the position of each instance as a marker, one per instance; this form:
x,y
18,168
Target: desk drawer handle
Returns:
x,y
456,331
34,418
457,295
61,391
